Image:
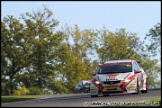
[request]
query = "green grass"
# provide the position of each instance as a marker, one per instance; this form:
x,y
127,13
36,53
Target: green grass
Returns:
x,y
153,100
17,98
145,103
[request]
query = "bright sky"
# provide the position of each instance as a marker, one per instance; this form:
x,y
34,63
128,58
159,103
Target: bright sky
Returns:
x,y
135,16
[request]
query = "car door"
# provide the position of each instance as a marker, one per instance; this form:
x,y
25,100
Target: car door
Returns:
x,y
139,74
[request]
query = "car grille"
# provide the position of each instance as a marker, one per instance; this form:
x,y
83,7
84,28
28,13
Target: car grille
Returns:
x,y
111,89
111,82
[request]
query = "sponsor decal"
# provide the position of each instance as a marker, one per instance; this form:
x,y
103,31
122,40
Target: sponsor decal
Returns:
x,y
92,87
112,86
131,89
132,85
118,63
112,76
128,65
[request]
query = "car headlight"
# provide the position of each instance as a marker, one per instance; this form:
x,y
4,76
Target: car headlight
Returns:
x,y
97,82
127,80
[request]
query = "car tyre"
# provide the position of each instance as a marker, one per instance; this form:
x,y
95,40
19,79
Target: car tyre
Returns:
x,y
105,94
75,91
94,95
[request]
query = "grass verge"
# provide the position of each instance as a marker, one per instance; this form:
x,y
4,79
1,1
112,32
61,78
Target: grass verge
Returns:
x,y
145,103
153,100
17,98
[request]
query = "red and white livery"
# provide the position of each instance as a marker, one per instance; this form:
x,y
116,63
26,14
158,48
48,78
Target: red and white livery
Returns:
x,y
118,76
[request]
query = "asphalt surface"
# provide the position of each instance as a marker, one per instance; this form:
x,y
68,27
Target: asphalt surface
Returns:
x,y
85,100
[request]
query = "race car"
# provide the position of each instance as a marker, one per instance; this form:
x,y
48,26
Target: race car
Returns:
x,y
118,76
82,87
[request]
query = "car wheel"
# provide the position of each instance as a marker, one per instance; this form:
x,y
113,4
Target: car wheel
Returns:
x,y
137,88
94,95
75,91
145,91
81,91
105,94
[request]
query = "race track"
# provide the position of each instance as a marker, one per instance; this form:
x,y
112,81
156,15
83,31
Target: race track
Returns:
x,y
84,100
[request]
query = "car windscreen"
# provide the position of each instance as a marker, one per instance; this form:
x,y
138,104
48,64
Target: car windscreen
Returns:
x,y
86,84
119,67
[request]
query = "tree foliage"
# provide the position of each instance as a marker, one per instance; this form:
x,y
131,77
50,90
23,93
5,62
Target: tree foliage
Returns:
x,y
14,54
43,41
118,45
154,36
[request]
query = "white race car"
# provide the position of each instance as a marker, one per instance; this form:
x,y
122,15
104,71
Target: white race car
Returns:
x,y
118,76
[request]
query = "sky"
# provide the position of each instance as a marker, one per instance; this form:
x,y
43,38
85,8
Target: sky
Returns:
x,y
135,16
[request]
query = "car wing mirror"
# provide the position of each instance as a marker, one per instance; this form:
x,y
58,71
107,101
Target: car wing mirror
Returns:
x,y
139,71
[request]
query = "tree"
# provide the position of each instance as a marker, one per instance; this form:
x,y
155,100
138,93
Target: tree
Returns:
x,y
14,56
118,45
74,64
155,37
43,41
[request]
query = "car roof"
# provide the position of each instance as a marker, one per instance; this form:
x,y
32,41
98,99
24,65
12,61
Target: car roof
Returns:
x,y
86,80
114,61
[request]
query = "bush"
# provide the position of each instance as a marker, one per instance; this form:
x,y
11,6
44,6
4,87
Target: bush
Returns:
x,y
20,91
35,91
46,92
38,91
